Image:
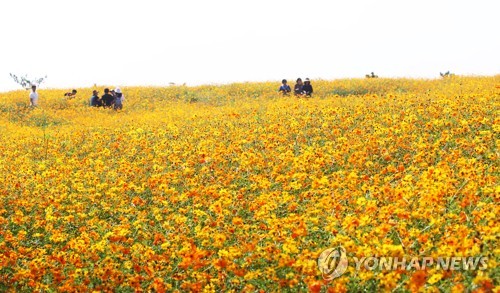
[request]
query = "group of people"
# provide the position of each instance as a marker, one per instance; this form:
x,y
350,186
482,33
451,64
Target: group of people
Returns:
x,y
114,98
300,89
110,99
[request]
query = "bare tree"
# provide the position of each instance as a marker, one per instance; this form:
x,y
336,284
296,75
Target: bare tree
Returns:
x,y
26,82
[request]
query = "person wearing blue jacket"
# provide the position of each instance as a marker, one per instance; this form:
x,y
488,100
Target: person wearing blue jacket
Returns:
x,y
284,88
95,101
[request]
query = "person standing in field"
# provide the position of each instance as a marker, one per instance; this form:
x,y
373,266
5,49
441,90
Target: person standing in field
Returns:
x,y
118,99
284,88
95,101
307,89
107,99
297,89
33,96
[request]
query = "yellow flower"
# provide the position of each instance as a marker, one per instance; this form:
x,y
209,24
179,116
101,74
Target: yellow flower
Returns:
x,y
434,278
210,187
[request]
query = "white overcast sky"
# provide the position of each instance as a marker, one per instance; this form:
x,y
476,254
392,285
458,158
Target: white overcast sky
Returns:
x,y
80,43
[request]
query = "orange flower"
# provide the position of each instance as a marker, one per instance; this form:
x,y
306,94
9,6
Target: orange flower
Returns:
x,y
315,287
213,187
417,280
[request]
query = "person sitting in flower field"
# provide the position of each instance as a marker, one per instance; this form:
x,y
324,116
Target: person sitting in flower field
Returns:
x,y
297,89
307,89
95,101
107,99
284,88
119,97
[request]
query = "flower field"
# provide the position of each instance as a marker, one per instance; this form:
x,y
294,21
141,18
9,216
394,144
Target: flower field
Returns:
x,y
236,188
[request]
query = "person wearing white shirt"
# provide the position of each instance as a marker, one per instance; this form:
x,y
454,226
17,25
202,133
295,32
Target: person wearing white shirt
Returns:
x,y
33,96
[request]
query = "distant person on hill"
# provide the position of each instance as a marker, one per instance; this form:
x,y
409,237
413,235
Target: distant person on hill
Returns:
x,y
119,97
33,96
307,89
95,101
284,88
297,89
107,99
71,95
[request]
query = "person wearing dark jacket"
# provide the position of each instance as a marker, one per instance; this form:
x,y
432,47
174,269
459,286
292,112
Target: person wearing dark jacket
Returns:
x,y
297,89
284,88
107,99
307,89
95,101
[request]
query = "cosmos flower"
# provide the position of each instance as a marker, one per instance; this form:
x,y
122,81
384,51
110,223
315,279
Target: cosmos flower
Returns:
x,y
235,188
